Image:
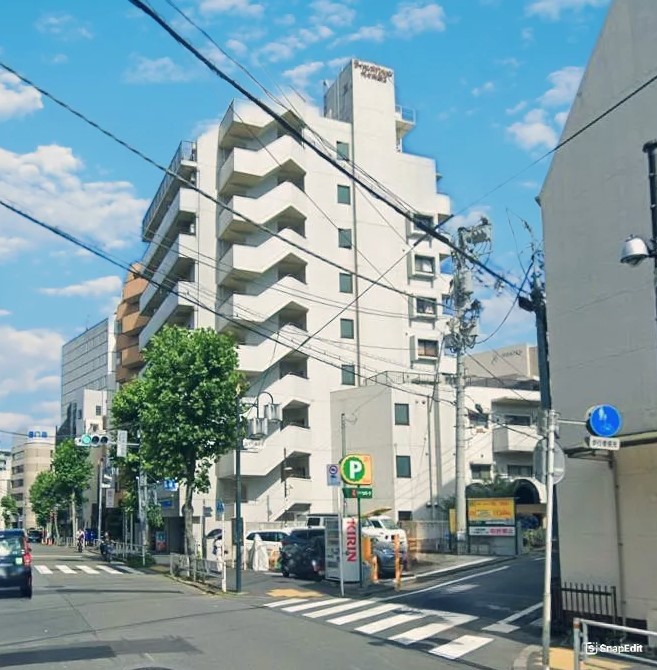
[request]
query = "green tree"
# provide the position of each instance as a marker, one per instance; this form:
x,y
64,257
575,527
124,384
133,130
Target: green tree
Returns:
x,y
9,510
44,497
72,472
185,407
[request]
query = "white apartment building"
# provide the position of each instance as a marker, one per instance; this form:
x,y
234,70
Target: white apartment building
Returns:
x,y
408,428
271,285
30,455
5,476
601,316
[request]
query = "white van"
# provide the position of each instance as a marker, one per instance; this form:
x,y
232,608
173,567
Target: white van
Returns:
x,y
383,528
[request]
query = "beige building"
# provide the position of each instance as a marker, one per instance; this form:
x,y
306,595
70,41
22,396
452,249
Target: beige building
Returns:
x,y
5,476
30,455
129,323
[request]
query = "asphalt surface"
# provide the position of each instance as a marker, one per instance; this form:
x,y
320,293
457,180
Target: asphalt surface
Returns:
x,y
82,616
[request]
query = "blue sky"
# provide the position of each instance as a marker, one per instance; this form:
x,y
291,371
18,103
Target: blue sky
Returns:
x,y
491,82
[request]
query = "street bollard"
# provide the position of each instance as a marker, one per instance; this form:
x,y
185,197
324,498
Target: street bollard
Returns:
x,y
397,562
576,644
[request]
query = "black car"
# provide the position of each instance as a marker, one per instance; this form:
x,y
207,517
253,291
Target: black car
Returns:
x,y
305,560
385,559
15,561
34,536
297,540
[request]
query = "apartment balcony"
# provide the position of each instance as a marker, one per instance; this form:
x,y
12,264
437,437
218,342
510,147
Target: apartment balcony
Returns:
x,y
286,203
241,122
131,357
124,341
291,388
245,168
178,260
245,263
131,324
183,164
133,288
515,438
404,120
176,309
255,358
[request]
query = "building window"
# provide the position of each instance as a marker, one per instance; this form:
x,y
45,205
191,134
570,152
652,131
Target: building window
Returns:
x,y
346,283
425,265
519,471
347,328
401,414
349,375
344,238
517,420
79,414
403,465
342,150
479,420
404,516
344,195
425,306
99,410
481,472
424,219
427,348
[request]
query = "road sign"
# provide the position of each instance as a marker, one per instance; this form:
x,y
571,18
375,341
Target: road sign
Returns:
x,y
603,421
207,511
170,485
356,469
333,475
219,507
362,492
606,443
540,462
121,443
166,504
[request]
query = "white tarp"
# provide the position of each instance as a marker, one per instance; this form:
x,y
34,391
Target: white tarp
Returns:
x,y
259,556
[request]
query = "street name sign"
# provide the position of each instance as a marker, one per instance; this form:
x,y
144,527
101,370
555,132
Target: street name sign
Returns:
x,y
356,469
121,443
606,443
364,492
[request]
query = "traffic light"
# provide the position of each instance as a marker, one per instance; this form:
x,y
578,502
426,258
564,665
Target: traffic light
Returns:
x,y
92,440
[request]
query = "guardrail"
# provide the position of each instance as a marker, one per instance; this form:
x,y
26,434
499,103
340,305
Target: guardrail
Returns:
x,y
584,648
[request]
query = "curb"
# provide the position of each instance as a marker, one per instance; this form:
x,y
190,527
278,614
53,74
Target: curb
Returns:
x,y
522,661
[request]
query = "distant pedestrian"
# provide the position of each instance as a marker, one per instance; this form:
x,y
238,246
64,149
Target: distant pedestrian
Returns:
x,y
218,551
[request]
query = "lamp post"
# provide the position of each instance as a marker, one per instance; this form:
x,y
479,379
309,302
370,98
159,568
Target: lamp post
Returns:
x,y
257,430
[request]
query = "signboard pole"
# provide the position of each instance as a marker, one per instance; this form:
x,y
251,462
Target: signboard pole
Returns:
x,y
341,547
360,545
221,548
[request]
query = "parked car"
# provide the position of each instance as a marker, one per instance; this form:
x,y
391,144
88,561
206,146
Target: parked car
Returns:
x,y
385,559
296,539
383,528
272,539
305,560
317,520
34,536
15,561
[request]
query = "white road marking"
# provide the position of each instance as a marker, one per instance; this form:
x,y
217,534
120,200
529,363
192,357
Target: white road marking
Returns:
x,y
345,607
43,570
537,623
460,646
310,605
443,584
130,571
390,622
87,569
505,625
111,571
429,630
540,558
439,571
65,569
460,588
375,611
288,601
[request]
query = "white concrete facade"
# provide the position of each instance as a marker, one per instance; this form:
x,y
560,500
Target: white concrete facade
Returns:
x,y
601,315
267,289
5,476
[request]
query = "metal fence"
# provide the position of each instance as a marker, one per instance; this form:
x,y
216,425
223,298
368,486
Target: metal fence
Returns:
x,y
595,602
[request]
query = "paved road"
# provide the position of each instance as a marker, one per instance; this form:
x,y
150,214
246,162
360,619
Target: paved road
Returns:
x,y
87,618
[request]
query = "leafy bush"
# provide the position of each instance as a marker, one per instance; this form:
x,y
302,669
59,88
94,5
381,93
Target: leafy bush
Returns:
x,y
136,561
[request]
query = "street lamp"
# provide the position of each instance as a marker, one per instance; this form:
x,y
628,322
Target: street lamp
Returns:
x,y
258,429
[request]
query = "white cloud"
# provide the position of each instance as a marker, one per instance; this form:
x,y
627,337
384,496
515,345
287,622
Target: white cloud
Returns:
x,y
338,62
488,87
239,7
5,312
364,34
565,83
332,13
413,18
533,131
216,56
157,71
92,288
560,118
512,63
286,47
519,326
59,59
516,108
285,20
17,99
299,76
527,35
471,218
63,26
531,185
46,184
238,47
552,9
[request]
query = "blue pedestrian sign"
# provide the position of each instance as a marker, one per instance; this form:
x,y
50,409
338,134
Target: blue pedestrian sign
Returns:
x,y
220,507
603,421
170,485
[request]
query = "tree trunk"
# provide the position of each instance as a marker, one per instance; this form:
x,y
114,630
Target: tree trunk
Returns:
x,y
188,512
74,521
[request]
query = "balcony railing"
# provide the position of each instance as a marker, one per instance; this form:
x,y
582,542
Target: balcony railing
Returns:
x,y
186,152
405,114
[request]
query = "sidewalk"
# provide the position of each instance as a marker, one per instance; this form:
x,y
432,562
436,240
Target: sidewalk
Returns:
x,y
563,659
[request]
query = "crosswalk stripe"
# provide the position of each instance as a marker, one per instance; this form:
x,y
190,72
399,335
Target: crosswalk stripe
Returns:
x,y
125,568
288,601
390,622
429,630
345,607
537,623
111,571
310,605
87,569
65,569
43,569
506,626
375,611
460,646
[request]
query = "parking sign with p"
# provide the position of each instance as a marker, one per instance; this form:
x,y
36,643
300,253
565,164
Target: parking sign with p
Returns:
x,y
356,469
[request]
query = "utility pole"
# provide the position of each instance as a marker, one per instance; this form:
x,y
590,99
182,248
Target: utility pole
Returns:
x,y
238,499
101,464
463,336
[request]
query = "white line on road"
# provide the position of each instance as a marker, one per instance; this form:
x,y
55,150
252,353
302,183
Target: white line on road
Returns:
x,y
537,623
461,646
130,571
504,625
439,586
87,569
43,569
65,569
111,571
439,571
311,605
345,607
288,601
375,611
429,630
390,622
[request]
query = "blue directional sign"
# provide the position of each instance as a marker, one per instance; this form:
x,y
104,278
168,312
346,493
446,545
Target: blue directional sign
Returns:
x,y
603,421
170,485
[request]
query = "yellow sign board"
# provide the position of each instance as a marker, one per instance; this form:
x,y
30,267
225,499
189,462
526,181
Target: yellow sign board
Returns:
x,y
491,511
356,469
452,521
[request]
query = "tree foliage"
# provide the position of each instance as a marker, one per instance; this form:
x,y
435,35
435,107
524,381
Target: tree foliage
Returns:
x,y
184,407
45,497
72,471
9,509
